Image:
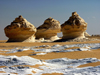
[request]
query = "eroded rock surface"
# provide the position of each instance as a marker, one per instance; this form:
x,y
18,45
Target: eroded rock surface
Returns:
x,y
49,29
74,27
86,34
20,30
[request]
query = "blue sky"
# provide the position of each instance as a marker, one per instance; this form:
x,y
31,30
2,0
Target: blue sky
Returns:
x,y
36,11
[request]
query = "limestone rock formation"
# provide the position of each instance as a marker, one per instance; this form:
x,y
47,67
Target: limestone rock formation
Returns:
x,y
49,29
20,30
86,34
74,27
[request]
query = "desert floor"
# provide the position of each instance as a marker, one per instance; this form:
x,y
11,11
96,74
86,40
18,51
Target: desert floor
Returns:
x,y
52,55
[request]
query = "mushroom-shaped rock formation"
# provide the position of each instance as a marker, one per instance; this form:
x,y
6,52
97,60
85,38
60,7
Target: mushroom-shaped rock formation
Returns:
x,y
20,30
74,27
49,29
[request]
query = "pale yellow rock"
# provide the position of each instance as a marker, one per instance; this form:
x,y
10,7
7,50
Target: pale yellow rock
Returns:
x,y
86,34
20,30
49,29
74,27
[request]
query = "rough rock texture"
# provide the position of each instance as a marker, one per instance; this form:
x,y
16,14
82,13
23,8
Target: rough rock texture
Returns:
x,y
20,30
86,34
74,27
49,29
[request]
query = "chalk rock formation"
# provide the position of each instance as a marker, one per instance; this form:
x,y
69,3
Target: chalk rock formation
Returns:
x,y
49,29
74,27
86,34
20,30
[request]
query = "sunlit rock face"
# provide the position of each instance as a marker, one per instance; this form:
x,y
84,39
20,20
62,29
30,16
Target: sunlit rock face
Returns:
x,y
20,30
49,29
74,27
86,34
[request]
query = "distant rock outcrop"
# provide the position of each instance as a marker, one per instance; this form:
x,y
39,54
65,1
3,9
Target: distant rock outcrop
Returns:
x,y
20,30
49,29
74,27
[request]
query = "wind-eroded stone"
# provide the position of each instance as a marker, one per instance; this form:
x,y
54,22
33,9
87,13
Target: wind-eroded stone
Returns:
x,y
20,30
49,29
74,27
86,34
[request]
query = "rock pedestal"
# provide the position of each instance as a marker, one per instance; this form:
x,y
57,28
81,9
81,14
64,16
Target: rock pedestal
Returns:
x,y
74,27
49,29
20,30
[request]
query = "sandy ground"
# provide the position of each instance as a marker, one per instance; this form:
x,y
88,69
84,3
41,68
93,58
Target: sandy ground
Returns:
x,y
4,45
90,64
71,55
52,74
